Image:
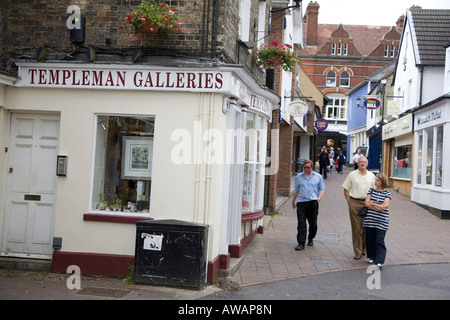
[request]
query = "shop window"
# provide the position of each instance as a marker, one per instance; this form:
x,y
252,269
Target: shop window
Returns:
x,y
402,162
123,164
439,150
419,158
429,161
252,198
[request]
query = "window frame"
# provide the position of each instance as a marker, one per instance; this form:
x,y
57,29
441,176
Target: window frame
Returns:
x,y
99,206
331,83
339,111
347,78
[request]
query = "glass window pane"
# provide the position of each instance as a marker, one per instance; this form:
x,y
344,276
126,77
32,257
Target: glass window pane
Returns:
x,y
345,79
123,164
439,150
402,162
429,160
419,159
331,79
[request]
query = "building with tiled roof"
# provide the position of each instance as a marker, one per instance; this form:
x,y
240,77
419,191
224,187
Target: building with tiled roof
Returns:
x,y
337,57
415,153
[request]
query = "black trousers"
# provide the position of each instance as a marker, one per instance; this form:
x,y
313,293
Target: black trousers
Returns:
x,y
323,169
308,210
376,248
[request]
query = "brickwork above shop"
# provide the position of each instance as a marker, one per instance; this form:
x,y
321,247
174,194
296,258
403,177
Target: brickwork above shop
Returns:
x,y
207,30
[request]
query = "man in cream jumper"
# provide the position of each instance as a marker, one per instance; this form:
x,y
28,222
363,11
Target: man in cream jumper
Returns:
x,y
356,186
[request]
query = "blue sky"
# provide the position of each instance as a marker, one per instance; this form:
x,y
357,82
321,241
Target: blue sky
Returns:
x,y
363,12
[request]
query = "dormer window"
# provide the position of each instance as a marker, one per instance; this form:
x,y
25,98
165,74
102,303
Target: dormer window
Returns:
x,y
339,49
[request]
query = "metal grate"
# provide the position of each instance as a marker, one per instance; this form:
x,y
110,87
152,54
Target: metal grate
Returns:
x,y
104,292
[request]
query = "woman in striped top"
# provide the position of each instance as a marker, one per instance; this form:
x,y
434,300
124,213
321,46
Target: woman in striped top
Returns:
x,y
377,220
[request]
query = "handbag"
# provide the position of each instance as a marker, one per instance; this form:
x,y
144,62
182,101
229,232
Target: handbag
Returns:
x,y
362,212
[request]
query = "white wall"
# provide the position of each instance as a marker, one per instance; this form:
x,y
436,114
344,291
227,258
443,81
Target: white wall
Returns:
x,y
173,192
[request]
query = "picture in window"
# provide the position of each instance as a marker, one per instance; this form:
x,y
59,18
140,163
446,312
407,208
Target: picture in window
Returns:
x,y
123,164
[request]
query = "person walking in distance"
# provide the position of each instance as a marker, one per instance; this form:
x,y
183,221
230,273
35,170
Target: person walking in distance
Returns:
x,y
356,157
340,161
377,220
309,189
324,161
356,186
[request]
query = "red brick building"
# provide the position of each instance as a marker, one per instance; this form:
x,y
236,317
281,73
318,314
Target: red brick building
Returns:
x,y
339,57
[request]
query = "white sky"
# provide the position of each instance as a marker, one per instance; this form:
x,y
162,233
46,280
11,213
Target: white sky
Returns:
x,y
364,12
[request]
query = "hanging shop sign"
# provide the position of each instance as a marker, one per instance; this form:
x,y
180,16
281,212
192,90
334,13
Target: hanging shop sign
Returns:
x,y
371,103
298,108
321,124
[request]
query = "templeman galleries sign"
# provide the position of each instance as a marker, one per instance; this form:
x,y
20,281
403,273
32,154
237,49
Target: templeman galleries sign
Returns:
x,y
113,78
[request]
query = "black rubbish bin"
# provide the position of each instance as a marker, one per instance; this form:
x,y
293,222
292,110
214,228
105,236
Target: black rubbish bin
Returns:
x,y
171,252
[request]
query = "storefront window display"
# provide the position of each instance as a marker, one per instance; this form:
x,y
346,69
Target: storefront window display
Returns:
x,y
402,162
123,164
439,153
419,158
252,198
430,162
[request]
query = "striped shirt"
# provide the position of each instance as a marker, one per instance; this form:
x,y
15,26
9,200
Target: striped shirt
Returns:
x,y
376,218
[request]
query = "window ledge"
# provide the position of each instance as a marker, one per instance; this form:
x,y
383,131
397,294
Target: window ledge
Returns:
x,y
103,217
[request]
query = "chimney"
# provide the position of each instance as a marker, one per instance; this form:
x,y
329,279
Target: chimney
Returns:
x,y
311,19
400,22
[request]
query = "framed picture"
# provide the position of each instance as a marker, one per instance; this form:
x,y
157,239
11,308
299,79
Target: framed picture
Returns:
x,y
137,154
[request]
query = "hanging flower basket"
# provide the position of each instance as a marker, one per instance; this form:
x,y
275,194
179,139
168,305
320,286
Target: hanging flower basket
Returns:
x,y
150,28
275,55
152,17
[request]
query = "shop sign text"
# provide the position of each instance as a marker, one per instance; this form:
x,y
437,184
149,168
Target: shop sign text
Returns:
x,y
122,79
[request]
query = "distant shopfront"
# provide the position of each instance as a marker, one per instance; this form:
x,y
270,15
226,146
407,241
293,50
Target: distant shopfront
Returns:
x,y
91,149
431,182
397,153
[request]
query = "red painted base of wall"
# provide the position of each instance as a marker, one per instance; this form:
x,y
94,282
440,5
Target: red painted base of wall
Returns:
x,y
93,263
120,265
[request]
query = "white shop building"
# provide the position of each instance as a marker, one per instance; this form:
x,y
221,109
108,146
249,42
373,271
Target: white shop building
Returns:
x,y
90,149
431,183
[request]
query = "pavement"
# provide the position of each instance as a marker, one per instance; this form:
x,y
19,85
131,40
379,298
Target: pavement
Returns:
x,y
416,241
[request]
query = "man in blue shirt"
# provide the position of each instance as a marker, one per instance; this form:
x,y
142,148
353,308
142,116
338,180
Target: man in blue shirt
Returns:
x,y
309,189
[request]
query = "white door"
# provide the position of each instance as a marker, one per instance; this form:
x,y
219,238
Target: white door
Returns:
x,y
31,186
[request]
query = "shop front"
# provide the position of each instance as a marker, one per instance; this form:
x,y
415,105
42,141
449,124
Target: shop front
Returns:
x,y
431,183
397,153
90,149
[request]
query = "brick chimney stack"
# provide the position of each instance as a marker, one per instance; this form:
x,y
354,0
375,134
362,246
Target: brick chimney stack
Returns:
x,y
400,22
311,19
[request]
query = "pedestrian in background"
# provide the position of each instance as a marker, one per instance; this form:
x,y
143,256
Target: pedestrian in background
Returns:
x,y
356,186
376,221
324,161
309,189
356,157
340,161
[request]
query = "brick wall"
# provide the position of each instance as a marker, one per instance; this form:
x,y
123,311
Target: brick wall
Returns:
x,y
27,25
